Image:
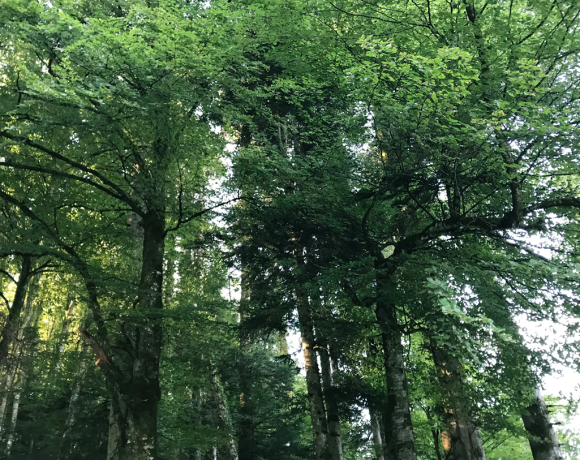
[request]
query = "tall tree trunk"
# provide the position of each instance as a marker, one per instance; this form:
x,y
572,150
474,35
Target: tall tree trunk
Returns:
x,y
380,409
6,391
315,395
537,422
68,445
399,423
462,436
11,325
543,440
333,420
246,427
388,447
377,436
13,367
142,397
117,420
224,416
14,418
23,354
64,335
134,392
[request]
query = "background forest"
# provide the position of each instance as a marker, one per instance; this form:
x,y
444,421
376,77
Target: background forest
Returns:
x,y
188,189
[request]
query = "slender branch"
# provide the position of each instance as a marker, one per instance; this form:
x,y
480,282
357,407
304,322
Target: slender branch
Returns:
x,y
54,172
5,301
32,216
121,195
182,221
5,273
466,224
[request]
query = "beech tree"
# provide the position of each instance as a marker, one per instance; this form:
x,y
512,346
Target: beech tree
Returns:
x,y
191,191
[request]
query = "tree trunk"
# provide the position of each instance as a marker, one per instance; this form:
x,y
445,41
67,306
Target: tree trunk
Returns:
x,y
315,396
380,409
224,416
68,445
117,430
399,423
333,420
377,437
543,440
143,395
461,440
23,354
542,437
64,335
6,390
13,419
245,428
11,326
135,393
12,369
388,449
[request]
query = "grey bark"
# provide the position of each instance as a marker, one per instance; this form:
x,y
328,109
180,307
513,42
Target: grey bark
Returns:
x,y
13,419
64,334
381,410
22,356
224,415
246,426
313,385
333,420
10,328
6,391
73,406
543,439
402,440
377,436
462,439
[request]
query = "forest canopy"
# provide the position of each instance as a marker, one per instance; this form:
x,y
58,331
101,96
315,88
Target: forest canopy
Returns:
x,y
289,230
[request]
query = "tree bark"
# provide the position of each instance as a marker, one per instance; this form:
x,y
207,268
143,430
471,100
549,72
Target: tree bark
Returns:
x,y
380,409
245,428
68,446
377,436
333,420
13,419
543,440
462,440
11,327
315,395
134,391
6,390
23,357
64,335
398,410
224,416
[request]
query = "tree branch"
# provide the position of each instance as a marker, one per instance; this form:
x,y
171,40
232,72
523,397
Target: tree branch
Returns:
x,y
54,172
121,195
182,221
104,362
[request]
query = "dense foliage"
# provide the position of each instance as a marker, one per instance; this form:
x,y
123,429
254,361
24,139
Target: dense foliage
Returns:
x,y
188,189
